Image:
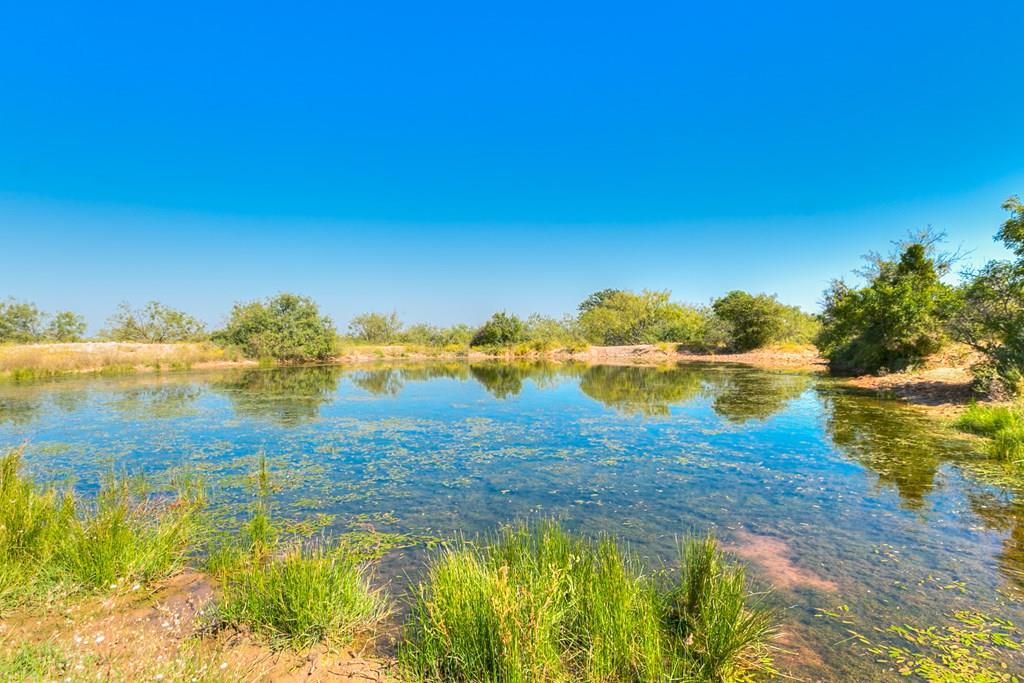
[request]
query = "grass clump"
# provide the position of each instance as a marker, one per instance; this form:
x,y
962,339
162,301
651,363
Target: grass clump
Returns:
x,y
540,604
296,595
50,543
304,596
1003,425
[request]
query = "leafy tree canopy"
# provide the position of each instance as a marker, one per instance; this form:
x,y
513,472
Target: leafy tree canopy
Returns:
x,y
286,327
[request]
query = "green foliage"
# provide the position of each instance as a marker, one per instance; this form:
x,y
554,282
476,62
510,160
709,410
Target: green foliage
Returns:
x,y
502,329
544,333
725,637
616,317
48,543
376,328
286,327
301,597
65,326
894,321
1002,424
20,322
754,320
991,316
34,662
422,334
539,604
153,323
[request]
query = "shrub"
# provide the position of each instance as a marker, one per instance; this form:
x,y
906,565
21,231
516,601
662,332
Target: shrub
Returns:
x,y
65,326
286,327
376,328
991,317
539,604
615,317
502,329
20,322
894,321
153,323
753,320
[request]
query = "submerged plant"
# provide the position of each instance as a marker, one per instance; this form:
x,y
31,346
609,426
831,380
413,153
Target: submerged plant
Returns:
x,y
540,604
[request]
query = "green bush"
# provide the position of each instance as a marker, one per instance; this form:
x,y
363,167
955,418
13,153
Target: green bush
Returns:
x,y
991,317
286,327
539,604
616,317
753,320
20,322
376,328
892,323
153,323
65,326
501,330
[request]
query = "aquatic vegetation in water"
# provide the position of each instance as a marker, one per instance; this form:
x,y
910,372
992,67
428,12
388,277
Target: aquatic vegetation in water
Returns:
x,y
540,604
970,647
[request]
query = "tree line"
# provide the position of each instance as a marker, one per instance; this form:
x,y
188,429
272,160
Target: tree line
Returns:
x,y
902,310
291,327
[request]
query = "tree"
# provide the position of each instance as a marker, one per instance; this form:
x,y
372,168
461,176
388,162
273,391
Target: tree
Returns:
x,y
20,322
376,328
286,327
65,326
614,317
502,329
991,315
153,323
597,299
894,321
754,320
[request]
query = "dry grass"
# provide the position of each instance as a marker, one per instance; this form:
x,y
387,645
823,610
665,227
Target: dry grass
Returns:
x,y
25,361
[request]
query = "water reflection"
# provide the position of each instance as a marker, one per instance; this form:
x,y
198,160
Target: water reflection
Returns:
x,y
642,390
902,448
284,396
161,402
748,394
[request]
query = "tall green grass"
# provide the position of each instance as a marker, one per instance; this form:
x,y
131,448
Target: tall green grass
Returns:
x,y
296,595
1003,425
304,596
49,542
540,604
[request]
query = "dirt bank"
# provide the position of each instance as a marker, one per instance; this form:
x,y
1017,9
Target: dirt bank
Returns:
x,y
166,634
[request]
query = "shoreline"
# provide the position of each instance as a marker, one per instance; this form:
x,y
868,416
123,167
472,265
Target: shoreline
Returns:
x,y
941,388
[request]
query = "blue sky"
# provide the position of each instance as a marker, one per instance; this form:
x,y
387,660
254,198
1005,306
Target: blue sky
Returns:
x,y
446,160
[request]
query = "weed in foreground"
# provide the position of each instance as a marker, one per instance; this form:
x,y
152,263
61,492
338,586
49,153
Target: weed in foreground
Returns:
x,y
49,544
539,604
296,596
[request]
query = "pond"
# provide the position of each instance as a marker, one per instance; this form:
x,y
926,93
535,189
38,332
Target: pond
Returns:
x,y
833,497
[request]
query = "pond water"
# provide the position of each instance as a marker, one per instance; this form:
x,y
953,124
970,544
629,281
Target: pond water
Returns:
x,y
834,497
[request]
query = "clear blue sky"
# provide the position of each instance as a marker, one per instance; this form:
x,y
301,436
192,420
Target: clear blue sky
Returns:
x,y
446,160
